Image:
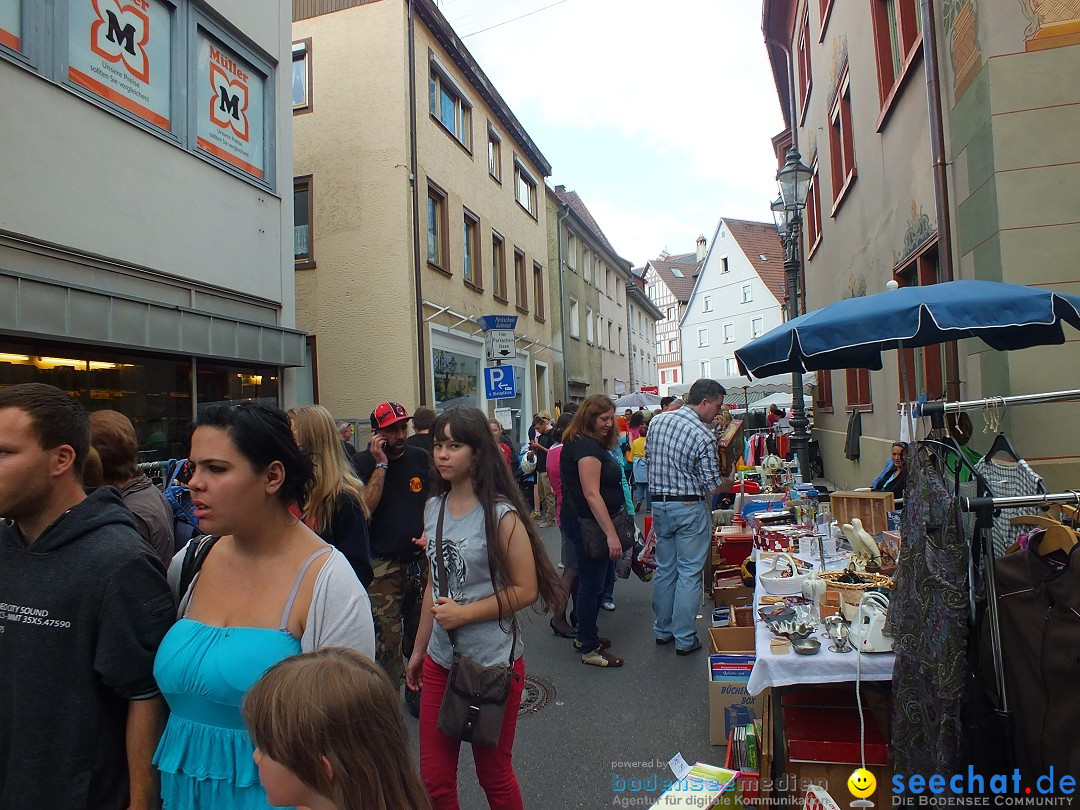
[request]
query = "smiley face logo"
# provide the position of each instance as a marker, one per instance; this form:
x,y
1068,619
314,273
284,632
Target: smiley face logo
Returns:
x,y
861,783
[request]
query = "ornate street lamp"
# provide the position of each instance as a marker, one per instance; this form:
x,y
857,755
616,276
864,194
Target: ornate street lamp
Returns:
x,y
794,181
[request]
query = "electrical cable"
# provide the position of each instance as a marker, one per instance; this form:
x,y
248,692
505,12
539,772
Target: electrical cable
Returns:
x,y
515,19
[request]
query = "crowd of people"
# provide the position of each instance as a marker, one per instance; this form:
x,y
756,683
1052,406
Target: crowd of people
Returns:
x,y
258,663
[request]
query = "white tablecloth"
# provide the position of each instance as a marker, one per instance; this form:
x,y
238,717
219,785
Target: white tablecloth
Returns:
x,y
824,667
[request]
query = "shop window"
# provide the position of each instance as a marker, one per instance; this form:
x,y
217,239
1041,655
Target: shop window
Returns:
x,y
858,390
470,258
301,76
218,384
538,291
455,379
841,141
498,267
303,219
897,28
925,366
823,392
437,249
521,300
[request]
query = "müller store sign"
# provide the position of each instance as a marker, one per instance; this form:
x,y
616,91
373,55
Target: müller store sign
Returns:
x,y
230,108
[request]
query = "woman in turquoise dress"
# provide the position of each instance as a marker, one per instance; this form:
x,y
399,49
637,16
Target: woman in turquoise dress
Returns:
x,y
267,588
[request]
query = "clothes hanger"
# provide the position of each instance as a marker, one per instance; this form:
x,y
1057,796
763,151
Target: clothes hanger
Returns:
x,y
1065,512
1058,537
1001,442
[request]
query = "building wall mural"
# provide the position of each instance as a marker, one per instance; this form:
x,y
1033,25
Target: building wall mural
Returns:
x,y
960,26
1051,23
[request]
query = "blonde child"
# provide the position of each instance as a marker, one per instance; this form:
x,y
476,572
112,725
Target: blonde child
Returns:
x,y
329,735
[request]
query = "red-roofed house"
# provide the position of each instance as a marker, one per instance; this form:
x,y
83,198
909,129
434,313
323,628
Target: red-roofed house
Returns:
x,y
738,295
669,282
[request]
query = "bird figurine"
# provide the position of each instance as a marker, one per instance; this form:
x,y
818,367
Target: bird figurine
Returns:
x,y
863,544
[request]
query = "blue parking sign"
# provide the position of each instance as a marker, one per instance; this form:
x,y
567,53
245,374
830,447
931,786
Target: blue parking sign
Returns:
x,y
500,382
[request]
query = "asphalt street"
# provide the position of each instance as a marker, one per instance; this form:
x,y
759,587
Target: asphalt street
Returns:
x,y
603,727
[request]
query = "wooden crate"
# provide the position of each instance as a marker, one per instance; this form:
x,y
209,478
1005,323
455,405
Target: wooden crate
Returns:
x,y
871,508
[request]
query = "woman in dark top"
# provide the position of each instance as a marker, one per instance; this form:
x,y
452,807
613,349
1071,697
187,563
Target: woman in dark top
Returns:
x,y
895,479
335,508
592,488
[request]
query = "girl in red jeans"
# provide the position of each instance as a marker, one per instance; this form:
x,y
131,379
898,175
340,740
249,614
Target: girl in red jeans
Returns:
x,y
495,566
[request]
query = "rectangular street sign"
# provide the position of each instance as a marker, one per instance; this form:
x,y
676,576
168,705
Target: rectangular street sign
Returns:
x,y
488,322
500,382
500,344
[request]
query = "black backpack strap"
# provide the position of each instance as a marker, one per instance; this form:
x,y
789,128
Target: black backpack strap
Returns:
x,y
197,549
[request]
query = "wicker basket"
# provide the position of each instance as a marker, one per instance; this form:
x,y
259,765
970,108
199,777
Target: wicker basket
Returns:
x,y
854,588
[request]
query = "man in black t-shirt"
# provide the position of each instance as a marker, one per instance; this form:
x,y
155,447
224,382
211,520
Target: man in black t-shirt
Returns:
x,y
422,420
396,479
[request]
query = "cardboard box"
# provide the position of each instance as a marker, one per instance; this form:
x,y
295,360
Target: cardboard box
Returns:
x,y
872,508
735,597
729,702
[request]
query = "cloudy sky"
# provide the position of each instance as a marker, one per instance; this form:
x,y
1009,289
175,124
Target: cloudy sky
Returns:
x,y
658,114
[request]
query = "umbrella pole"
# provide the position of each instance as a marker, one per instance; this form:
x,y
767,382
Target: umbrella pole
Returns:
x,y
903,387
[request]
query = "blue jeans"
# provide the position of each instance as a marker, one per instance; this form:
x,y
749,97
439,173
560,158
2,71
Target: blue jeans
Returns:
x,y
592,576
682,541
641,493
609,584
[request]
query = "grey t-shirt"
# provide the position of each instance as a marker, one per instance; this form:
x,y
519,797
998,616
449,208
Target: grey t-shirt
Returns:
x,y
468,579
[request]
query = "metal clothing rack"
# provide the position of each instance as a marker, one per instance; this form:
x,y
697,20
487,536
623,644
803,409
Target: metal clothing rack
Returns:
x,y
984,508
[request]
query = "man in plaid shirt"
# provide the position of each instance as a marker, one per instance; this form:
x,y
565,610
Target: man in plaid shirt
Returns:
x,y
684,470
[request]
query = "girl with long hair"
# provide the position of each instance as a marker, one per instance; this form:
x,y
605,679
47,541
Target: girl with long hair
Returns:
x,y
592,488
496,565
330,735
335,507
267,588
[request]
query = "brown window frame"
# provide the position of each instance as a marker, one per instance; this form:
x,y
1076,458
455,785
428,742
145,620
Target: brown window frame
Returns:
x,y
538,291
921,269
522,176
813,213
494,155
472,265
823,402
442,262
826,7
802,55
440,82
859,395
841,142
893,65
521,282
305,55
305,182
498,267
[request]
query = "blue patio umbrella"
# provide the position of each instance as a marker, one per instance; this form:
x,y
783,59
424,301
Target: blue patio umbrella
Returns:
x,y
854,332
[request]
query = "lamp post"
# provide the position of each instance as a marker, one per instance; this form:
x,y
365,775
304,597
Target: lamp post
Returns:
x,y
794,181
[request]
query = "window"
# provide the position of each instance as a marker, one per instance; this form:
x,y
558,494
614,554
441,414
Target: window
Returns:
x,y
524,188
747,293
813,212
924,367
470,259
620,346
705,368
494,154
672,347
723,264
301,76
303,241
803,57
897,37
703,337
498,267
731,368
575,319
841,141
858,390
607,282
521,280
600,332
826,11
729,333
671,313
587,266
757,327
674,375
538,291
823,392
706,304
437,229
588,325
448,105
572,250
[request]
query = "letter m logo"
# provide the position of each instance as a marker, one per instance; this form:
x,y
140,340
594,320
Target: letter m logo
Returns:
x,y
229,103
119,35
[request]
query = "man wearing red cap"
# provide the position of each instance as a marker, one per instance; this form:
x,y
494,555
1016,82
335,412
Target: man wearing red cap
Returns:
x,y
396,487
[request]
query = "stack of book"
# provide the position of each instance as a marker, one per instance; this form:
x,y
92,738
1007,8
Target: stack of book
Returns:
x,y
731,666
745,751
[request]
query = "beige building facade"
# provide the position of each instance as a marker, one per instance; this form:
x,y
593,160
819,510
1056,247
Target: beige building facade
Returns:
x,y
423,202
990,200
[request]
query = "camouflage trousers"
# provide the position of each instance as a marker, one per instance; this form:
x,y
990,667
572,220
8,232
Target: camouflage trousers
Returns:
x,y
397,594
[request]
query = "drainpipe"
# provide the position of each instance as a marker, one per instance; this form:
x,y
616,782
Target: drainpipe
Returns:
x,y
630,336
564,307
421,353
941,178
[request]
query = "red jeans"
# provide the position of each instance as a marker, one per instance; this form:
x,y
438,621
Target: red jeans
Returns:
x,y
439,753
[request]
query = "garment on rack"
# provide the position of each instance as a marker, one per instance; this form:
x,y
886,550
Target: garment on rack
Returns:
x,y
928,614
854,433
1039,615
759,448
1007,481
